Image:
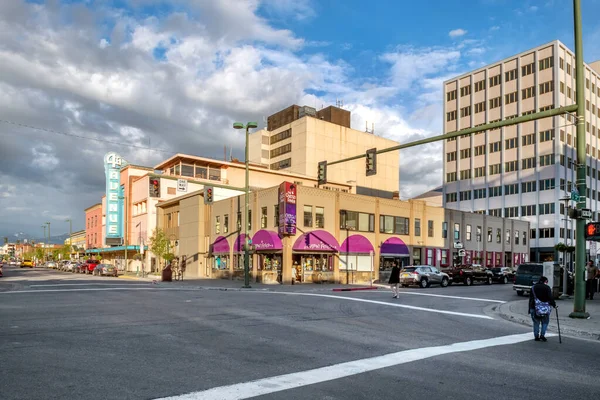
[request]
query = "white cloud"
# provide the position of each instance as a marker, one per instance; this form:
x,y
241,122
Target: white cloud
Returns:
x,y
457,33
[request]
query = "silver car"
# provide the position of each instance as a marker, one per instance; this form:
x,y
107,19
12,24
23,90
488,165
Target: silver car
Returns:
x,y
423,276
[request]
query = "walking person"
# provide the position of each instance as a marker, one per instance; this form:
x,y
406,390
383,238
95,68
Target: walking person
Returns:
x,y
540,300
395,280
590,283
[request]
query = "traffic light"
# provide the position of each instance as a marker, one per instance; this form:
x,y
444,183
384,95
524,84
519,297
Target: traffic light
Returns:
x,y
592,231
322,175
371,162
154,187
208,194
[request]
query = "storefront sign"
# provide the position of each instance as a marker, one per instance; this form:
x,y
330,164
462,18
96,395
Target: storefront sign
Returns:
x,y
182,185
114,198
287,208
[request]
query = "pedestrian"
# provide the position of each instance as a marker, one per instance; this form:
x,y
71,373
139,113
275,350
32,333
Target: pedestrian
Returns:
x,y
540,300
395,280
590,283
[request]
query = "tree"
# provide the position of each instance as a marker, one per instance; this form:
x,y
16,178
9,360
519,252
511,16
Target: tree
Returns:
x,y
5,240
160,244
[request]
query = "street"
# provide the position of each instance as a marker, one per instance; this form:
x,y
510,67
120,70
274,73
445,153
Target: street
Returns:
x,y
81,337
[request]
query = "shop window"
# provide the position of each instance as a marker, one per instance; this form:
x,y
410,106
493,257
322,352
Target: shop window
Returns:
x,y
353,220
217,224
226,223
263,217
444,261
308,216
430,260
319,217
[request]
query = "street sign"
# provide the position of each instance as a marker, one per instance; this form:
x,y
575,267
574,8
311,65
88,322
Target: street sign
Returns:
x,y
458,245
182,185
575,195
586,213
593,250
462,253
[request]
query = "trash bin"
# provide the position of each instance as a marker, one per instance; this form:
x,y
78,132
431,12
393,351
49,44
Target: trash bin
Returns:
x,y
167,274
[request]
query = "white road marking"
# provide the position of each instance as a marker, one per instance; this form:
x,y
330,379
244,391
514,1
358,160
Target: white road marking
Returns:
x,y
79,290
280,383
87,284
433,310
437,295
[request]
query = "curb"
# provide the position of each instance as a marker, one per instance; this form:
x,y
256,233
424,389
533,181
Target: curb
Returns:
x,y
353,289
503,311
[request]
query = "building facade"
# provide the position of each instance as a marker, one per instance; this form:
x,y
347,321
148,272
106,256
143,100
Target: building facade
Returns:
x,y
523,171
93,227
340,237
298,138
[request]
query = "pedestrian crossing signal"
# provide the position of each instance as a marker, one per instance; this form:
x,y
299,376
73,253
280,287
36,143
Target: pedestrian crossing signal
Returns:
x,y
322,173
371,162
592,231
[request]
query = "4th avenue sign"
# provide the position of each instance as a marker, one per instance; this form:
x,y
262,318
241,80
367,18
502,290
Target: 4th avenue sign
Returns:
x,y
114,199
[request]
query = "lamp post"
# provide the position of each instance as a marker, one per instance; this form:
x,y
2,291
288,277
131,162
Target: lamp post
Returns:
x,y
124,198
49,237
44,242
239,125
70,237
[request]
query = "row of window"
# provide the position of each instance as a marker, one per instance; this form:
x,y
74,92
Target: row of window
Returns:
x,y
496,191
494,103
496,169
92,221
478,234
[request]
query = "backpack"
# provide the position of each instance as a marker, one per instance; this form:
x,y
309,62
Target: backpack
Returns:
x,y
542,308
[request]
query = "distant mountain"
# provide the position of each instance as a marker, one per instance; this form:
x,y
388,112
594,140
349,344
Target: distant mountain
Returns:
x,y
58,239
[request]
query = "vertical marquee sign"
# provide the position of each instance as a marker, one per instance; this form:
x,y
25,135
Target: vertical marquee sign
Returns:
x,y
287,208
114,199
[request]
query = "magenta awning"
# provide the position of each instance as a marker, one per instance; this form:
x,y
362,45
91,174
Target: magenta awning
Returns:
x,y
316,241
356,244
266,240
238,245
394,247
221,245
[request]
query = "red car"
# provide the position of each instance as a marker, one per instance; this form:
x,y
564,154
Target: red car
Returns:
x,y
89,266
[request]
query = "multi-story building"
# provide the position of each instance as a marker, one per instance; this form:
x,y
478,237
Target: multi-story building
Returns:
x,y
93,227
522,171
298,138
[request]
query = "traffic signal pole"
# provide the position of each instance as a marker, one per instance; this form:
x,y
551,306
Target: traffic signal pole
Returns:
x,y
580,258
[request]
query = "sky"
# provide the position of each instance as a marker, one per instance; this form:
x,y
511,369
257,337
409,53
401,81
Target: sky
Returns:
x,y
150,78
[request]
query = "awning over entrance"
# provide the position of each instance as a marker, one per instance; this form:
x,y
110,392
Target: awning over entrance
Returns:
x,y
238,246
356,244
221,245
318,241
116,248
394,247
266,240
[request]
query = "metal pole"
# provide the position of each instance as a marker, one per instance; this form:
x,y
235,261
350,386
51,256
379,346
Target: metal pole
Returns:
x,y
126,224
49,237
70,238
247,220
565,294
579,301
44,243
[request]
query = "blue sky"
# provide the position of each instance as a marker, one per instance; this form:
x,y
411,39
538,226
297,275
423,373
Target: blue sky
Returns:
x,y
173,75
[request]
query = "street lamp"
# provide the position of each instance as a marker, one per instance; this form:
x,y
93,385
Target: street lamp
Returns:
x,y
239,125
49,239
70,236
44,245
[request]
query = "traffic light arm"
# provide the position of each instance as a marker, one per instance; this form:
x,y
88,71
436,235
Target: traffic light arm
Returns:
x,y
468,131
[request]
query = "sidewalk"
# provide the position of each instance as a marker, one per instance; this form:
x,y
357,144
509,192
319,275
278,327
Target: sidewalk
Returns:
x,y
226,284
518,311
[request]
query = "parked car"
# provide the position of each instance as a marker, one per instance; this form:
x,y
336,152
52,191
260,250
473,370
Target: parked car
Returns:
x,y
423,276
90,265
71,266
503,274
51,265
105,269
469,274
81,268
27,263
529,273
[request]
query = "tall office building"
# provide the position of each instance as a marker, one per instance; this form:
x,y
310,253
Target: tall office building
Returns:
x,y
522,171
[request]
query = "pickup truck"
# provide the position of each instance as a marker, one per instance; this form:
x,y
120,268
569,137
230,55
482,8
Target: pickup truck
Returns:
x,y
468,275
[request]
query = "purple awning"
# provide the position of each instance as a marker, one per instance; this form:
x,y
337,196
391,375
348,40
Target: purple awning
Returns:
x,y
238,245
316,241
266,240
356,244
221,245
394,247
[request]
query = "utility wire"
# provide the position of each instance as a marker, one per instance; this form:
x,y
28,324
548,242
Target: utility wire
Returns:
x,y
84,137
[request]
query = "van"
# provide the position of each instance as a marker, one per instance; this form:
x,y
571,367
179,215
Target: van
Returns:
x,y
528,274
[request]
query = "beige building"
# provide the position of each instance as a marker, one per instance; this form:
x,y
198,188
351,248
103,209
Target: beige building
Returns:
x,y
340,237
298,138
521,171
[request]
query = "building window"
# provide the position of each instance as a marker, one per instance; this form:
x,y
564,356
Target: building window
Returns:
x,y
451,95
281,164
308,216
547,208
532,233
217,224
511,166
511,98
468,233
451,156
465,90
451,116
479,107
249,220
511,212
456,231
495,102
479,86
278,137
528,92
465,111
465,153
478,237
319,217
444,230
263,217
546,87
528,163
547,159
465,174
353,220
510,75
226,223
451,177
495,191
498,235
546,233
430,228
451,197
480,150
276,215
495,80
527,69
546,63
508,236
479,172
479,193
516,237
495,147
495,169
465,195
429,256
417,227
489,235
547,135
239,221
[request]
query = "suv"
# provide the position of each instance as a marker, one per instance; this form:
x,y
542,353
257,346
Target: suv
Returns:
x,y
468,275
89,266
423,276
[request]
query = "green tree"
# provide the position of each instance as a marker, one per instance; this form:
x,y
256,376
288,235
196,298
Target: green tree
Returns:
x,y
160,245
5,240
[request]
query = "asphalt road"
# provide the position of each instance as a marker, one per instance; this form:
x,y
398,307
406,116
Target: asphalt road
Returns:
x,y
67,336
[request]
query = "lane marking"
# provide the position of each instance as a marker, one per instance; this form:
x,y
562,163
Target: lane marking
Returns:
x,y
433,310
295,380
81,290
86,284
443,296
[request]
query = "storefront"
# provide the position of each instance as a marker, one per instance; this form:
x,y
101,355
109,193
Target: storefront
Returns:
x,y
393,250
268,248
238,257
313,256
220,253
356,260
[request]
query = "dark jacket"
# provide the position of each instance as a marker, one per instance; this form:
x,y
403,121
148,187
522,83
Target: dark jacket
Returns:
x,y
543,293
394,276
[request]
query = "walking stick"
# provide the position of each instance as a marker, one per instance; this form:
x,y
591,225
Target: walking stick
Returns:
x,y
558,324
